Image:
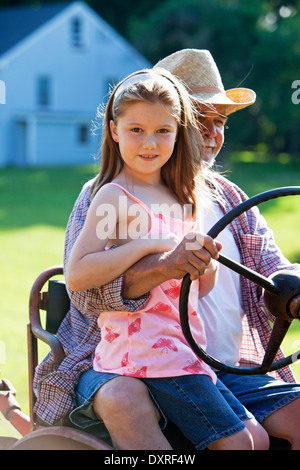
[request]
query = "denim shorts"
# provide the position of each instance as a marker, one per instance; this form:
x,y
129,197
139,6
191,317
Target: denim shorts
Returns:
x,y
83,415
204,412
260,394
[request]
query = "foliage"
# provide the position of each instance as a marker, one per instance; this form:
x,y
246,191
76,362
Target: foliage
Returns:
x,y
255,45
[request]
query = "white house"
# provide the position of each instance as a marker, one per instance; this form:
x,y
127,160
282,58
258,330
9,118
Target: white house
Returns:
x,y
56,64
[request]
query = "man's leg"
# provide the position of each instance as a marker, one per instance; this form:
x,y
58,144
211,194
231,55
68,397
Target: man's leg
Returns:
x,y
253,437
132,420
275,404
285,423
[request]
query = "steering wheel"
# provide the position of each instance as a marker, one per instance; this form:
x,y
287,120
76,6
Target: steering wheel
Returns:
x,y
281,295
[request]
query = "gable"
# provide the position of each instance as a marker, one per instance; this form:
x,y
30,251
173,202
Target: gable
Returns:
x,y
25,26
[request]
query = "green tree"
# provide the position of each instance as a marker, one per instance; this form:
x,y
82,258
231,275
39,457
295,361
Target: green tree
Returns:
x,y
254,44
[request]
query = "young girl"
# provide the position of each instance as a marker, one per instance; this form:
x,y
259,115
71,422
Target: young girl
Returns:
x,y
143,202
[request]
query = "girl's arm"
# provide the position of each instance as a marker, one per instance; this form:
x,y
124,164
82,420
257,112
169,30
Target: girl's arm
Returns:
x,y
208,280
90,265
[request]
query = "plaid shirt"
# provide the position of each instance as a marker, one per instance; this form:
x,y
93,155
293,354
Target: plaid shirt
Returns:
x,y
79,332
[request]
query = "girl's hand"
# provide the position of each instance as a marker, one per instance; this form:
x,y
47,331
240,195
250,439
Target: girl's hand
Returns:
x,y
167,243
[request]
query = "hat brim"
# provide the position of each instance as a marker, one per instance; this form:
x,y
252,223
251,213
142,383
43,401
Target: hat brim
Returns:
x,y
228,102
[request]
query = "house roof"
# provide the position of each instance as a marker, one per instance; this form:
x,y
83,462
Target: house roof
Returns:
x,y
18,22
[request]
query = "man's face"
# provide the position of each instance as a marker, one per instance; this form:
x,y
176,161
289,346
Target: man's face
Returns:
x,y
212,129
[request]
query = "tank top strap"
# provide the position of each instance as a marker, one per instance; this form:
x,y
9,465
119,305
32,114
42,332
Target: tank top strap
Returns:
x,y
131,196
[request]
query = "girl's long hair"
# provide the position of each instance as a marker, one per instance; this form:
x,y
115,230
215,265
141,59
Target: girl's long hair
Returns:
x,y
182,172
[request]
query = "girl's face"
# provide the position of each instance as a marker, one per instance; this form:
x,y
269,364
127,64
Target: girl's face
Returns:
x,y
146,133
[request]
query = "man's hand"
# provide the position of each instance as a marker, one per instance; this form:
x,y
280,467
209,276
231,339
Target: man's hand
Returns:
x,y
193,255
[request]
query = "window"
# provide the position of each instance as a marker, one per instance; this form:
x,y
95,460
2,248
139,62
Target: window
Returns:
x,y
76,32
83,133
43,90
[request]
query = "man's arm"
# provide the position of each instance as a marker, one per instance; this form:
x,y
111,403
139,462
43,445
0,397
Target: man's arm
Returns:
x,y
144,276
188,257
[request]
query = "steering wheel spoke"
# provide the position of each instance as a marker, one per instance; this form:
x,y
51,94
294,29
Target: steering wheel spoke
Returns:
x,y
260,280
279,331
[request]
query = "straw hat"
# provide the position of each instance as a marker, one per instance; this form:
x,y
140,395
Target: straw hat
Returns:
x,y
198,71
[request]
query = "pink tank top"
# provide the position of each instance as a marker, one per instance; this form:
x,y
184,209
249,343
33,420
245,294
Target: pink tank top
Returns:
x,y
150,342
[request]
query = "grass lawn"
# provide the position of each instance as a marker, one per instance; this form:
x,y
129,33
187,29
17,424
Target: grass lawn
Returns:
x,y
34,209
255,174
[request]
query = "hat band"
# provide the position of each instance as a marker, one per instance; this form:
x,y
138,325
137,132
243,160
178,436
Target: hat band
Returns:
x,y
206,89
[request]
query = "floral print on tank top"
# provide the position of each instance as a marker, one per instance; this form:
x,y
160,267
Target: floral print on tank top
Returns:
x,y
150,342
